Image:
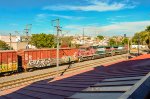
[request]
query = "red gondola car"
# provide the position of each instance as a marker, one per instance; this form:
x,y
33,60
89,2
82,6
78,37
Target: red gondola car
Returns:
x,y
45,57
8,61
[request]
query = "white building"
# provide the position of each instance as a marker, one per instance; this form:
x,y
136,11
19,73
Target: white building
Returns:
x,y
8,38
15,42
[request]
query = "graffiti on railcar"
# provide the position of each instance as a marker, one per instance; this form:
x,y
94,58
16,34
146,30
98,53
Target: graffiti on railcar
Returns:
x,y
40,62
48,62
67,59
8,67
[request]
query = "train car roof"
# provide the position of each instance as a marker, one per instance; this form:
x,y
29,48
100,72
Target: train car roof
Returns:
x,y
7,51
44,49
84,46
101,46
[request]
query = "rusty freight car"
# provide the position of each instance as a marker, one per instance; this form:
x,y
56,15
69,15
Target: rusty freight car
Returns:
x,y
8,62
38,58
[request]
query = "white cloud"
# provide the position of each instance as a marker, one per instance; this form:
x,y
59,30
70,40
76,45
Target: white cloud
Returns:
x,y
44,17
121,28
13,24
61,16
95,5
41,17
125,27
67,17
119,17
115,19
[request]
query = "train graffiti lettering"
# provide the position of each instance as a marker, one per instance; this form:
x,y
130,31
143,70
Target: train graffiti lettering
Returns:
x,y
40,62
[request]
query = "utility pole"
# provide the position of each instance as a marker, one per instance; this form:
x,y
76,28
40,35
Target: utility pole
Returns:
x,y
138,44
27,31
83,35
128,47
17,33
10,40
149,41
58,30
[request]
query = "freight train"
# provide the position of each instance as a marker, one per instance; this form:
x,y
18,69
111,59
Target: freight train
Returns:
x,y
26,60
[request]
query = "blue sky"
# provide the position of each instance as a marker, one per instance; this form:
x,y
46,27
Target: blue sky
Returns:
x,y
106,17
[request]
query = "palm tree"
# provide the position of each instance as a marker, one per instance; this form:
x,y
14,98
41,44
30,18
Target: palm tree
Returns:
x,y
148,40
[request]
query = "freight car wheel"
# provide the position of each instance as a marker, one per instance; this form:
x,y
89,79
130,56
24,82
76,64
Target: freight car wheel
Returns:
x,y
104,56
93,57
80,59
72,62
30,69
7,74
89,58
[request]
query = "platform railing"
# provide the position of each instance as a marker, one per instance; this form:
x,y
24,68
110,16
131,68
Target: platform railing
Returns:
x,y
140,90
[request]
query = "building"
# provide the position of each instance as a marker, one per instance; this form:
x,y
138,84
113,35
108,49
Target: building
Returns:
x,y
89,41
15,42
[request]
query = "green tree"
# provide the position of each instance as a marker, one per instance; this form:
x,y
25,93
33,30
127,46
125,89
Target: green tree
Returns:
x,y
100,37
116,41
147,29
148,39
124,41
4,45
135,38
112,42
43,40
143,37
66,41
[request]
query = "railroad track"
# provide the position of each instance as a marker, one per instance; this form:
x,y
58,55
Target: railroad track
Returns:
x,y
52,74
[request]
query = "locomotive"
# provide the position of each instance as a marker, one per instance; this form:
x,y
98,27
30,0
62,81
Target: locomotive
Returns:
x,y
31,59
